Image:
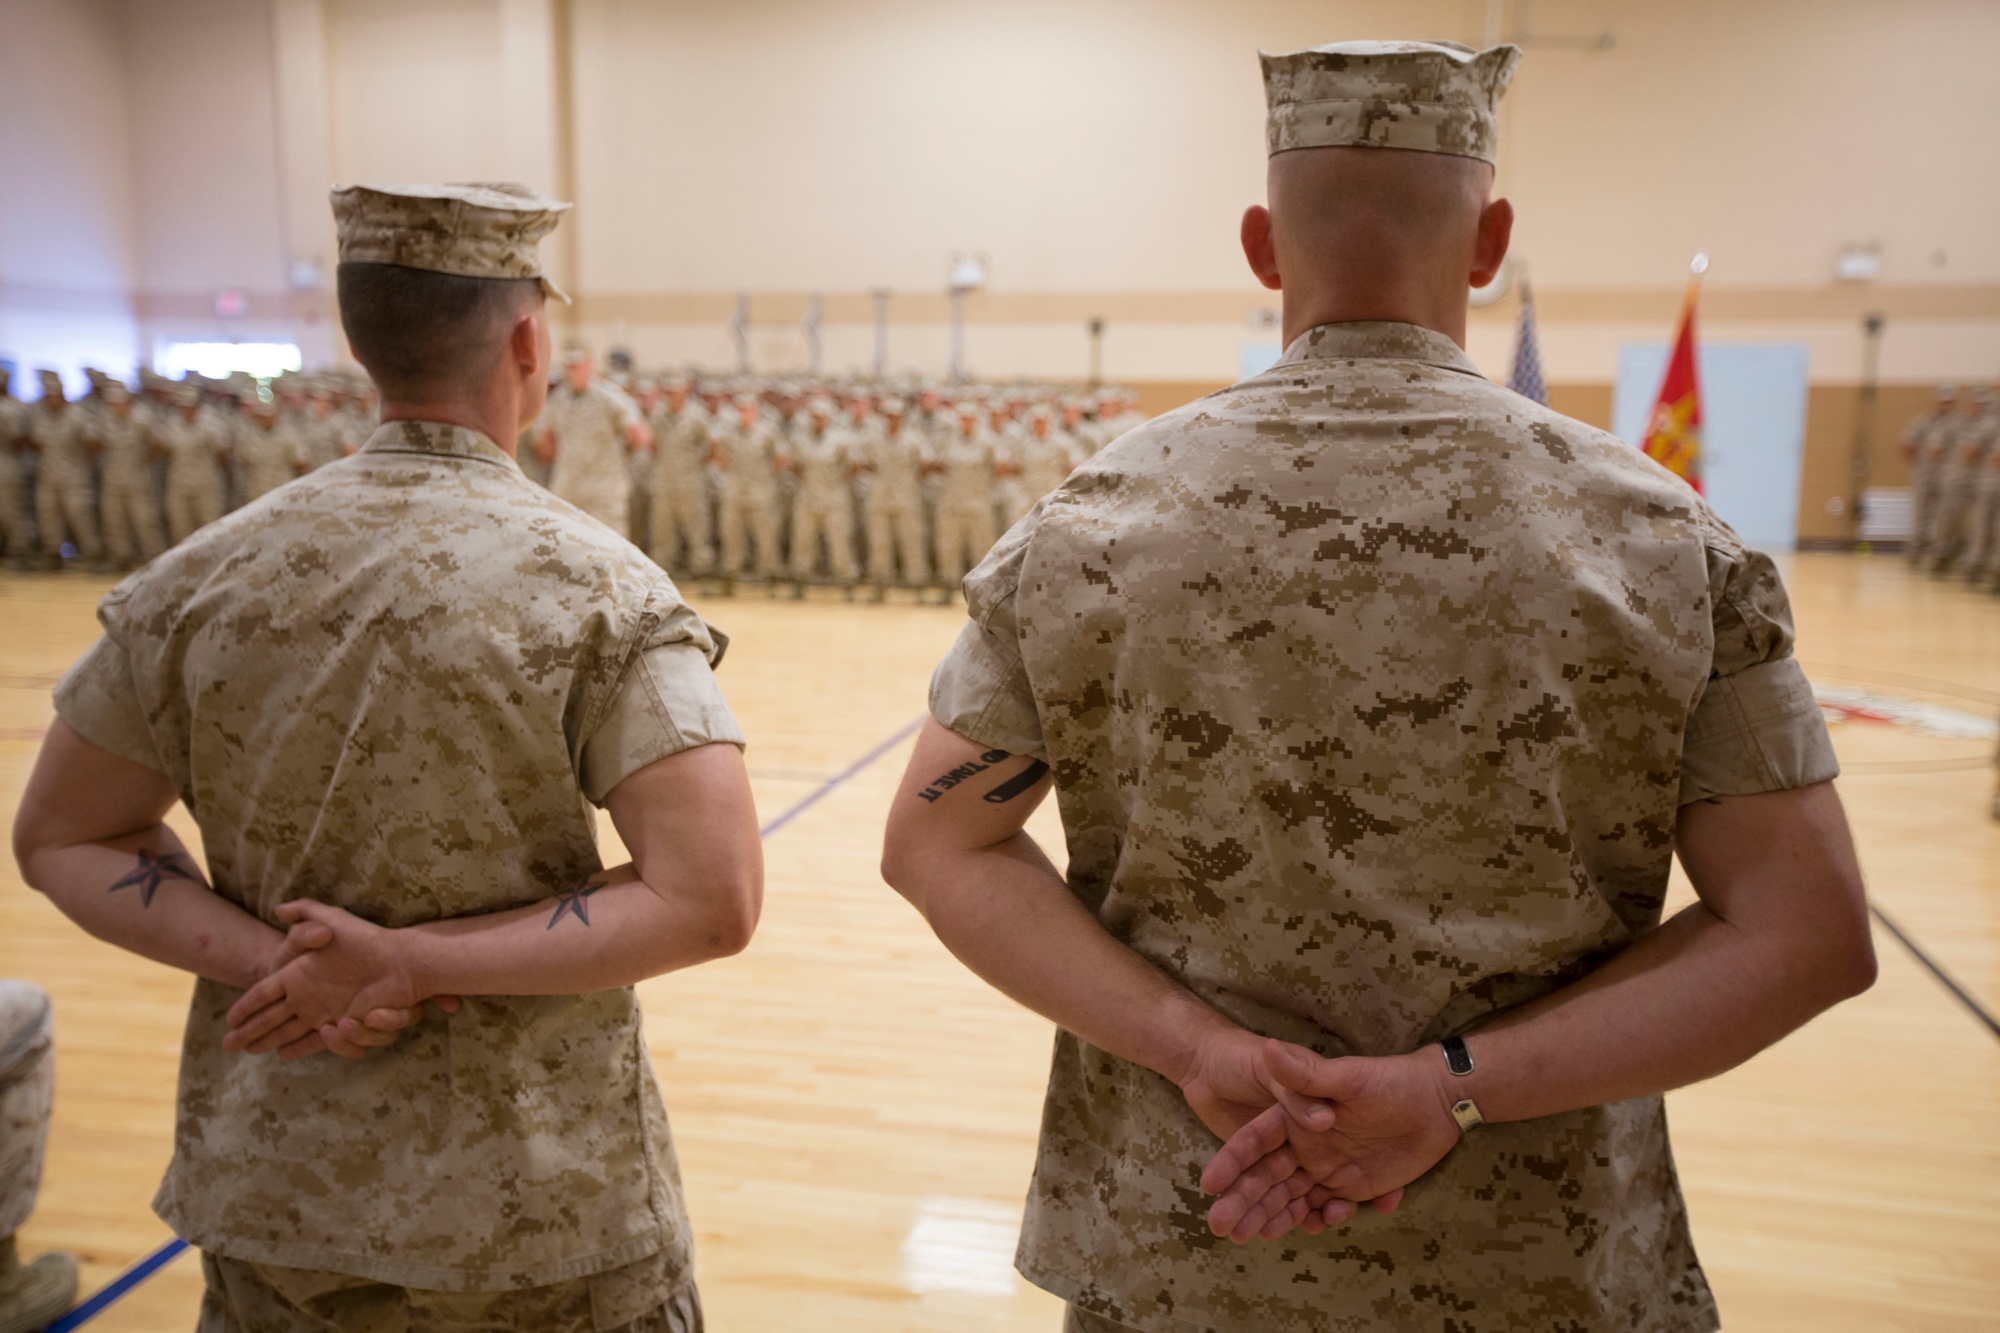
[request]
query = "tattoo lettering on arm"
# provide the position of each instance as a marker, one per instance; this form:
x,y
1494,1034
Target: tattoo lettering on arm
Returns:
x,y
152,871
575,902
1020,782
944,782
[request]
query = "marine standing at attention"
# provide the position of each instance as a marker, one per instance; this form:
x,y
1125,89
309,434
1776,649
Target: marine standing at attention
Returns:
x,y
1378,700
64,509
15,530
130,503
587,430
196,448
389,694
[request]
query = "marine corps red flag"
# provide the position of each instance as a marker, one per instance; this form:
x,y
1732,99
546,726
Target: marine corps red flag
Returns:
x,y
1673,432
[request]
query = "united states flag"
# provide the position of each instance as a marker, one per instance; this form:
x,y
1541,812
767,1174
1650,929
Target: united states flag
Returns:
x,y
1527,378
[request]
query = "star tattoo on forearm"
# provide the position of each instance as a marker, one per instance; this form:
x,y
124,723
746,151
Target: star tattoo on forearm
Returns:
x,y
575,902
153,871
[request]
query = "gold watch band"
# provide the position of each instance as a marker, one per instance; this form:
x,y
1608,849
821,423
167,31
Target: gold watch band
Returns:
x,y
1466,1112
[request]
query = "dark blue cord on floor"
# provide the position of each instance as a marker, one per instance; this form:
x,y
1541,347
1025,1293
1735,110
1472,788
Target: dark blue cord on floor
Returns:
x,y
118,1286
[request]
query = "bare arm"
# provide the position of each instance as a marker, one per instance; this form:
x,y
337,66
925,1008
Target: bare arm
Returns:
x,y
691,893
89,835
1780,934
956,848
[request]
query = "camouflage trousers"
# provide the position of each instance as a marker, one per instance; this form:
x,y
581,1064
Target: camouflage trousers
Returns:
x,y
16,531
64,508
244,1297
754,515
823,515
896,524
680,519
191,507
27,1090
964,536
130,512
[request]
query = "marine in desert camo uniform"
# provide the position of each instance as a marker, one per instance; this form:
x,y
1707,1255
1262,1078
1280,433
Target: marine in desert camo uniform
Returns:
x,y
1491,648
510,1166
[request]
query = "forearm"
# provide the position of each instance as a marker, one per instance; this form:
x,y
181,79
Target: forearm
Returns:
x,y
158,905
1689,1001
1005,913
613,931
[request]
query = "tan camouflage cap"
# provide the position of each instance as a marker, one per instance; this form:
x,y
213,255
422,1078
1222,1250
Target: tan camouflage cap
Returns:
x,y
1429,97
478,230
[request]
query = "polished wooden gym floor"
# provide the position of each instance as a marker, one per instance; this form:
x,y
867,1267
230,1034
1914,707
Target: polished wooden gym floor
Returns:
x,y
856,1113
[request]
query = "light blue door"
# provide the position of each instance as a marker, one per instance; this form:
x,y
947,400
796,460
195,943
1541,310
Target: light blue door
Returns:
x,y
1753,401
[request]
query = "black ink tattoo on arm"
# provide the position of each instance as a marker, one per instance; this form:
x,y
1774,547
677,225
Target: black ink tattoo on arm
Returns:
x,y
944,782
153,871
1020,782
575,902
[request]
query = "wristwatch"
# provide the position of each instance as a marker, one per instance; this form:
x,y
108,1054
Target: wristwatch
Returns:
x,y
1459,1061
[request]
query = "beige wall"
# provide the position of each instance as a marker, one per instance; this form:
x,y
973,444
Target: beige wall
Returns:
x,y
1097,151
66,244
785,147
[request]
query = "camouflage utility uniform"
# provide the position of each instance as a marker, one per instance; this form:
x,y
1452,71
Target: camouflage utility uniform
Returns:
x,y
398,685
591,469
896,455
195,445
15,529
1371,692
680,489
131,499
64,506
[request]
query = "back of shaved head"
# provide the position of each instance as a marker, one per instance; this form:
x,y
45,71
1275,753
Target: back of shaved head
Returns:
x,y
1377,233
1345,207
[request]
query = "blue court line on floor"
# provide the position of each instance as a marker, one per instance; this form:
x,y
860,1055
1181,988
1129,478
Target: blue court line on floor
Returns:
x,y
168,1252
118,1286
825,788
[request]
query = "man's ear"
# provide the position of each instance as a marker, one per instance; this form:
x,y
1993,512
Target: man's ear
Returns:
x,y
1259,248
526,344
1489,250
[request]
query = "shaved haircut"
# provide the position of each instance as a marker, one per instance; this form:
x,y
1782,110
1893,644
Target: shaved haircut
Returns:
x,y
421,334
1350,209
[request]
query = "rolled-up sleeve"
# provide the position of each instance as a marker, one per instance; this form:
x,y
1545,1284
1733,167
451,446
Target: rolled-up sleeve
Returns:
x,y
981,690
1756,727
667,702
99,701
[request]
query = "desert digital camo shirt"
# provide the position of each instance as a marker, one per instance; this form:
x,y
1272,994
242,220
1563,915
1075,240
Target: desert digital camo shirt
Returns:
x,y
397,685
1371,690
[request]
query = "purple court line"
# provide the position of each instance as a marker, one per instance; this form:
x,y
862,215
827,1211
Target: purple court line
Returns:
x,y
818,793
118,1286
168,1252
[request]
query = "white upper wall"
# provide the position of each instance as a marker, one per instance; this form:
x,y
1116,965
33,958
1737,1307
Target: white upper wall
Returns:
x,y
1771,133
66,207
66,264
205,150
794,144
1111,145
416,90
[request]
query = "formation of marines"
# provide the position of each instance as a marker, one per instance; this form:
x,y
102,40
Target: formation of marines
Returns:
x,y
1954,454
787,482
112,478
802,481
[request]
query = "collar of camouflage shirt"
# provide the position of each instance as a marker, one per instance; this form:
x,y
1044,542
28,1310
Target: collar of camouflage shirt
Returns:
x,y
435,437
1377,340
